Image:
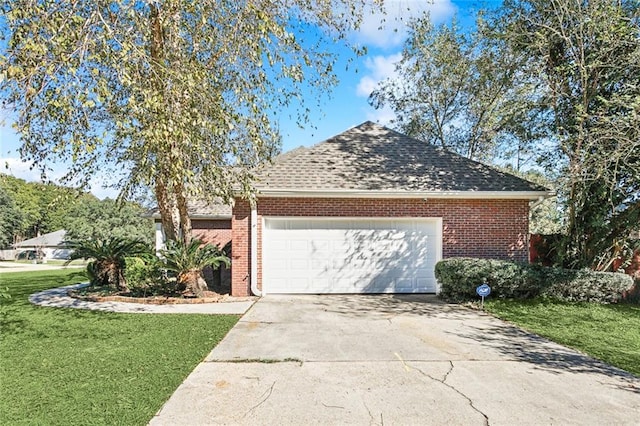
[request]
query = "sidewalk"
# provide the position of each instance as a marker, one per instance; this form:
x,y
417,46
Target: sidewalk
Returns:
x,y
58,298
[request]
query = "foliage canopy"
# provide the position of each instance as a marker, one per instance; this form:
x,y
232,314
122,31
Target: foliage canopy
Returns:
x,y
184,96
586,55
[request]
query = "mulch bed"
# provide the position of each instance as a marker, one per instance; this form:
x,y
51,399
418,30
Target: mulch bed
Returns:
x,y
209,297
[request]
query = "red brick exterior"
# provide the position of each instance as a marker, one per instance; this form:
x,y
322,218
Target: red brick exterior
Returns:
x,y
241,255
495,229
214,231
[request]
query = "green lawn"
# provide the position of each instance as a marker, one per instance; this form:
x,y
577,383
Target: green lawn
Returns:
x,y
68,366
610,333
76,262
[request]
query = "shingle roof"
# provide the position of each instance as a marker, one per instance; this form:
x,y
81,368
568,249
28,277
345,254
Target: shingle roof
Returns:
x,y
208,208
52,239
202,209
370,157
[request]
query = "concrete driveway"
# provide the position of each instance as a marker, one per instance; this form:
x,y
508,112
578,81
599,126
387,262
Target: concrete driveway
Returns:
x,y
376,360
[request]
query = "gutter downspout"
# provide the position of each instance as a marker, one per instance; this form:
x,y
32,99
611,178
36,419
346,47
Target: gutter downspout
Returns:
x,y
253,276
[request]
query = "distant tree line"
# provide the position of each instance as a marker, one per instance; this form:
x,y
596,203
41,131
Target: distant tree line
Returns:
x,y
29,209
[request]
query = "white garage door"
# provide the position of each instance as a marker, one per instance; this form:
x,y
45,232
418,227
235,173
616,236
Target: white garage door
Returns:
x,y
328,255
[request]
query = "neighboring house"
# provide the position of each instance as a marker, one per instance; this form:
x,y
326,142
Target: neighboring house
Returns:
x,y
372,211
44,247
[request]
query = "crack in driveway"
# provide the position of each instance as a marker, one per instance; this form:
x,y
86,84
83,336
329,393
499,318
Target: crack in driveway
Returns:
x,y
450,386
266,395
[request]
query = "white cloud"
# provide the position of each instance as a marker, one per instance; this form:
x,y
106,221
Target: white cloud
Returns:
x,y
388,30
102,193
382,116
379,68
20,169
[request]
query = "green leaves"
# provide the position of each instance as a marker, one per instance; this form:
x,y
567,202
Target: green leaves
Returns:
x,y
180,94
586,58
181,258
108,258
461,91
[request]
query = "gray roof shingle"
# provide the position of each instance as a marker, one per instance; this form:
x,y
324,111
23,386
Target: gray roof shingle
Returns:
x,y
370,157
52,239
202,209
206,208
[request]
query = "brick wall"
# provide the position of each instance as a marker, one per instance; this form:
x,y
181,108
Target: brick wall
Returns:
x,y
476,228
212,231
240,256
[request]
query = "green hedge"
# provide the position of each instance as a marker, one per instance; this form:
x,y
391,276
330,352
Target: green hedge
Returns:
x,y
459,277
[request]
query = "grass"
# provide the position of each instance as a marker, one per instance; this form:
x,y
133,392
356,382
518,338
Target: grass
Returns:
x,y
68,366
76,262
607,332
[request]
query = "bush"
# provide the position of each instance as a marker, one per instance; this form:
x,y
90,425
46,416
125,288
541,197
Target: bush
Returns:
x,y
459,278
108,264
586,285
188,260
145,276
143,271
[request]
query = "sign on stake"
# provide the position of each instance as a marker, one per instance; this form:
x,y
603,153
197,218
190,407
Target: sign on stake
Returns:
x,y
483,291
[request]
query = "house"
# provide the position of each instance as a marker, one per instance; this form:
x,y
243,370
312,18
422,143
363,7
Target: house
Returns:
x,y
44,247
371,211
210,222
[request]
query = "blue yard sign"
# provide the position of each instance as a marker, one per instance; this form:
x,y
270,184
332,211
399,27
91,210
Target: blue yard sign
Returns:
x,y
483,291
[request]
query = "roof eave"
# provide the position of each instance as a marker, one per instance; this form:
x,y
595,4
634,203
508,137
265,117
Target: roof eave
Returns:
x,y
502,195
156,216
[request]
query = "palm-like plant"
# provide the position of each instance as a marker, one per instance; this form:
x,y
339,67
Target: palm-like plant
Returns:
x,y
108,264
188,260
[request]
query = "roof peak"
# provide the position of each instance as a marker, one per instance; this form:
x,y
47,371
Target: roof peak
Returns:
x,y
372,157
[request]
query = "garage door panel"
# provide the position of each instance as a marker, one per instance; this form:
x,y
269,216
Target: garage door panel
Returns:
x,y
320,245
299,264
426,285
317,255
277,244
298,246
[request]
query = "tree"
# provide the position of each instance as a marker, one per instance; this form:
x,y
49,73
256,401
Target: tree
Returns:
x,y
42,207
10,219
182,95
90,218
188,261
108,259
462,91
545,217
586,53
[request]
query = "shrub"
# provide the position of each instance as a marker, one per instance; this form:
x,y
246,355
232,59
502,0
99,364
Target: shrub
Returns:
x,y
586,286
459,278
108,264
145,275
633,295
188,260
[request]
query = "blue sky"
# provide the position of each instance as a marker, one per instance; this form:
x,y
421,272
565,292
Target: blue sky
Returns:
x,y
344,108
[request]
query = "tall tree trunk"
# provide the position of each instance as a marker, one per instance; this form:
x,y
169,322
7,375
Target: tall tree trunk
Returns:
x,y
169,191
169,214
183,213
